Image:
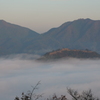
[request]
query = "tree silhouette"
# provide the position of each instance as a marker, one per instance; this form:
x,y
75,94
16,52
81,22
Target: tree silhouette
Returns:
x,y
30,95
85,95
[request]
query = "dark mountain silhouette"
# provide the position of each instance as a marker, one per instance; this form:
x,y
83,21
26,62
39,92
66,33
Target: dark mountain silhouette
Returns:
x,y
14,38
78,34
67,53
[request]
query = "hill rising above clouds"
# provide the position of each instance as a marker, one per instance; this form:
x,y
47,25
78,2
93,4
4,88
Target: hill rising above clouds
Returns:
x,y
78,34
67,53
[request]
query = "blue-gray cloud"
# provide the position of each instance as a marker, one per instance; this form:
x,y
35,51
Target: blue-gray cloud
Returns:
x,y
18,75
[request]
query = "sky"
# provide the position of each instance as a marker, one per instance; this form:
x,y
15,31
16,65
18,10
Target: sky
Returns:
x,y
42,15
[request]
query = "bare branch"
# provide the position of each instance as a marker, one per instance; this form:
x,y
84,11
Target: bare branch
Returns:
x,y
34,88
73,93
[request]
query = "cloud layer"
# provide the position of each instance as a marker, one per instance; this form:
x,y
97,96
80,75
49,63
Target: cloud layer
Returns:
x,y
18,75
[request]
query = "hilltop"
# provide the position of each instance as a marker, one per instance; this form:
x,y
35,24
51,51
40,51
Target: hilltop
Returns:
x,y
67,53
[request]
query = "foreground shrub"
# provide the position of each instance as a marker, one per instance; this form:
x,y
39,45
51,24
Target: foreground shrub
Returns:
x,y
85,95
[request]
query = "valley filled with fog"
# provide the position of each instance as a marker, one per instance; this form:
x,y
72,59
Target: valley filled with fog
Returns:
x,y
17,75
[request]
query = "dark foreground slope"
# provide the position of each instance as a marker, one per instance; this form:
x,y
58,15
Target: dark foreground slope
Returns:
x,y
67,53
79,34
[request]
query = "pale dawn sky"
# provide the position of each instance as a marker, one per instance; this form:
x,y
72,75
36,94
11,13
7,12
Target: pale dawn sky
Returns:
x,y
42,15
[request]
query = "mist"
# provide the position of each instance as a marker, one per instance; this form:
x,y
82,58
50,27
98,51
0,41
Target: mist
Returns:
x,y
18,74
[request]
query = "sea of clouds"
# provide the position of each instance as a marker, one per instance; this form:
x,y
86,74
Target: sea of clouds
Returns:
x,y
18,73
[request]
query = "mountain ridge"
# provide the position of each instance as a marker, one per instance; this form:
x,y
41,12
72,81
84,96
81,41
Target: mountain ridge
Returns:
x,y
76,30
12,37
78,34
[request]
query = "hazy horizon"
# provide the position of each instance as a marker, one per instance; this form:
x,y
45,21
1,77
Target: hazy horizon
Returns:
x,y
48,29
42,15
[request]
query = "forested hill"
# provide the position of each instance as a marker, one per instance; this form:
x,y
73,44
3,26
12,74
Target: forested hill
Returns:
x,y
67,53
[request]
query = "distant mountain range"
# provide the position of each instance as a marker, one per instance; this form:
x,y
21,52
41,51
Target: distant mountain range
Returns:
x,y
67,53
79,34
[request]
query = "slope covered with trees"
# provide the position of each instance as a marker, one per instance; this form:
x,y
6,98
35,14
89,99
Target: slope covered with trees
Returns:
x,y
67,53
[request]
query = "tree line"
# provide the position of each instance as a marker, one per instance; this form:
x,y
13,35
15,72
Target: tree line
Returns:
x,y
85,95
